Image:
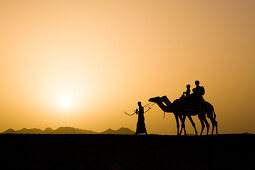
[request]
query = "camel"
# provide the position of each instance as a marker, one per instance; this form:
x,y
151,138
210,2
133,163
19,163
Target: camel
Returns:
x,y
177,109
169,107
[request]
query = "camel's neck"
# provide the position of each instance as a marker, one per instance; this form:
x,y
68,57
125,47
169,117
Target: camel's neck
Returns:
x,y
167,102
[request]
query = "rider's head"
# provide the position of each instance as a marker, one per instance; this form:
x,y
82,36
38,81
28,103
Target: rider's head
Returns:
x,y
188,86
197,83
139,104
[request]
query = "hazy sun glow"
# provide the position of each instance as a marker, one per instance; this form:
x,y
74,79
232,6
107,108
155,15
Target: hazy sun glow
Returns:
x,y
65,103
67,99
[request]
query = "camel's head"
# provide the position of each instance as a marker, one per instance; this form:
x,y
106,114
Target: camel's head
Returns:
x,y
163,103
164,98
155,99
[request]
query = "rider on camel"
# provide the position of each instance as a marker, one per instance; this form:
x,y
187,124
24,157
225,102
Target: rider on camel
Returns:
x,y
198,91
187,93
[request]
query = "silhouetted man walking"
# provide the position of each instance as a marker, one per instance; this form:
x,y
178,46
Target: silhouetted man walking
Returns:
x,y
140,123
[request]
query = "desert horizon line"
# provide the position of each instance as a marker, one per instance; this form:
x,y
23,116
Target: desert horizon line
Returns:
x,y
66,129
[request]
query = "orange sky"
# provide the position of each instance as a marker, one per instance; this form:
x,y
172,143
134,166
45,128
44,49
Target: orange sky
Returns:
x,y
82,63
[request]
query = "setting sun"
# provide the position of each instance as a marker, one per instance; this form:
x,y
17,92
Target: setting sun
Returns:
x,y
65,103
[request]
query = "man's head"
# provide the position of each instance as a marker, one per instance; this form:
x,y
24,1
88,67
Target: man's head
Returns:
x,y
197,83
188,86
139,104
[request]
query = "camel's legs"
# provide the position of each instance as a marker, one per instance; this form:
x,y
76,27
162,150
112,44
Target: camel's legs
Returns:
x,y
193,124
214,124
207,125
202,123
177,123
183,124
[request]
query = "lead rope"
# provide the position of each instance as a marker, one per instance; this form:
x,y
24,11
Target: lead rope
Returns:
x,y
149,105
164,115
129,114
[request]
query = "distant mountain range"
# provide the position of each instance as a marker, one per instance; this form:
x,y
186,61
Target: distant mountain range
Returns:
x,y
68,130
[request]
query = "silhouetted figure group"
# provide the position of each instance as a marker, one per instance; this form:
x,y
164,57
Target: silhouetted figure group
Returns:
x,y
189,104
197,94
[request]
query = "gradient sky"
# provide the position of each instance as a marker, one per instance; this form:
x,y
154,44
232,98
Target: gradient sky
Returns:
x,y
82,63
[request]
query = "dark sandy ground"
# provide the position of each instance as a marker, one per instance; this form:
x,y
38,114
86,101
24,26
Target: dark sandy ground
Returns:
x,y
127,152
